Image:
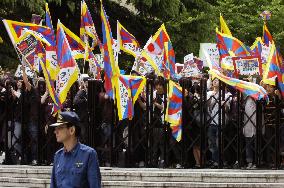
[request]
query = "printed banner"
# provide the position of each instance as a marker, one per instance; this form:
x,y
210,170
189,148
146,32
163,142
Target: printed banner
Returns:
x,y
191,67
247,66
27,45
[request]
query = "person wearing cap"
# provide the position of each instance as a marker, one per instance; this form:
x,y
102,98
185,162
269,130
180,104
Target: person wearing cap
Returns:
x,y
75,165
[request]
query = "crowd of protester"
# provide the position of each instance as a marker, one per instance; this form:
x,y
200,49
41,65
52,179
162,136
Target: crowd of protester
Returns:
x,y
26,112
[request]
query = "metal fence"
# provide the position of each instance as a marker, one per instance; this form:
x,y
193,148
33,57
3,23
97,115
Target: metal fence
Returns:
x,y
224,129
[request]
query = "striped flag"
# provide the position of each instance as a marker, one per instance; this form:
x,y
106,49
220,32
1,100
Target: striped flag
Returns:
x,y
256,48
39,57
77,46
51,59
126,41
230,46
51,90
174,110
171,58
164,66
87,26
273,70
267,37
110,65
68,73
128,88
16,29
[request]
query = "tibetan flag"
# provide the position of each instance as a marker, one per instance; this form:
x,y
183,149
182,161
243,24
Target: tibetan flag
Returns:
x,y
51,62
256,48
171,58
51,58
126,41
248,88
94,65
224,28
164,66
110,65
48,21
230,46
50,85
174,110
76,44
267,37
26,32
272,69
16,29
87,26
168,65
68,73
260,49
128,88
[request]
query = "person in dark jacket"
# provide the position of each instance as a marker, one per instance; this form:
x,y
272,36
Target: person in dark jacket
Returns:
x,y
81,107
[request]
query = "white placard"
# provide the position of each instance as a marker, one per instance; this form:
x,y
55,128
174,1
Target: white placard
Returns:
x,y
212,51
188,58
19,72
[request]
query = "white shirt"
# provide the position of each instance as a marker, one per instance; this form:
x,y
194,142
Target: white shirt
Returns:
x,y
249,129
213,105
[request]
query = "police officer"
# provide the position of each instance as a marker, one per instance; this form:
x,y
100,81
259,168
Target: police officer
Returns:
x,y
75,165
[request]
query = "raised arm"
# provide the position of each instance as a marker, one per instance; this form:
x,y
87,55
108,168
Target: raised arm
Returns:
x,y
25,79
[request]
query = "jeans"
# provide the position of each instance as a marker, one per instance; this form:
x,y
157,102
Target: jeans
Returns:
x,y
212,134
249,149
16,128
33,132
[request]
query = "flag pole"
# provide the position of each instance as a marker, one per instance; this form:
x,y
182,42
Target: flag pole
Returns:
x,y
86,48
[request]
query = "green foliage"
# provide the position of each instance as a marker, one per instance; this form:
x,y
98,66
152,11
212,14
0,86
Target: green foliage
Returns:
x,y
243,19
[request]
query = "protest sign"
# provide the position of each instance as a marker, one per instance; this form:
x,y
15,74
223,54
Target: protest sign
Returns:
x,y
191,67
212,51
247,66
19,72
